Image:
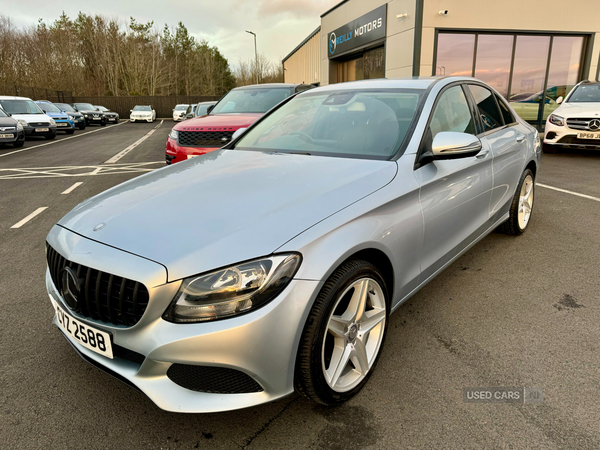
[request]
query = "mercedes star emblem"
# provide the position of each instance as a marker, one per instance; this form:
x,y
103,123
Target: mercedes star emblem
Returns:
x,y
70,287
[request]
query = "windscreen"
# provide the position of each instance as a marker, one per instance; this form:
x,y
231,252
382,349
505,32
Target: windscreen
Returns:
x,y
65,107
85,107
586,94
49,107
367,124
20,107
141,108
181,107
258,100
101,108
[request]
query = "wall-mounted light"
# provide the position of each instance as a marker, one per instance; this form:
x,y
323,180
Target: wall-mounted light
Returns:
x,y
443,12
401,16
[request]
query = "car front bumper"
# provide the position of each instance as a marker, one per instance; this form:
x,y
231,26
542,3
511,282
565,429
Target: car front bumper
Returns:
x,y
16,136
140,119
31,131
69,125
261,344
566,137
176,153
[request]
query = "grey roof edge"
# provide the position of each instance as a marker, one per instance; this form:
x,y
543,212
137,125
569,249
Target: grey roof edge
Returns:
x,y
318,29
336,6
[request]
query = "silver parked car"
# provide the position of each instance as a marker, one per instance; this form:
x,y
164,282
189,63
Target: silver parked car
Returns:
x,y
233,278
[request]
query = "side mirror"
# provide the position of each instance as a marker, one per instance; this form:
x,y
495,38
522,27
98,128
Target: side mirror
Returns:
x,y
131,110
210,108
559,100
237,133
450,145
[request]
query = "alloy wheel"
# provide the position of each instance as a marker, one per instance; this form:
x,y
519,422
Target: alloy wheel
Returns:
x,y
525,202
354,334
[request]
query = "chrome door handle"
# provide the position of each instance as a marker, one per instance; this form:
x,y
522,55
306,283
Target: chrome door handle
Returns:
x,y
520,138
482,154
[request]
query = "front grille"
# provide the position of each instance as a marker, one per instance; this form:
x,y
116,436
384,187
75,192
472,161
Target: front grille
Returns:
x,y
204,138
216,380
5,129
580,123
39,124
104,297
574,140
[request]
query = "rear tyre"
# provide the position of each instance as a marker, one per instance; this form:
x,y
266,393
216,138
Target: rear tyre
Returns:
x,y
343,335
521,207
549,148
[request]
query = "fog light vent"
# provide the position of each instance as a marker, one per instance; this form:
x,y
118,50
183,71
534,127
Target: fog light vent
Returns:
x,y
216,380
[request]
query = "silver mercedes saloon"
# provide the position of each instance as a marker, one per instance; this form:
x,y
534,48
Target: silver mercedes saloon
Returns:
x,y
272,265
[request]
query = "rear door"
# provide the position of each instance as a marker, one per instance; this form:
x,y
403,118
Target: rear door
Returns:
x,y
455,193
506,139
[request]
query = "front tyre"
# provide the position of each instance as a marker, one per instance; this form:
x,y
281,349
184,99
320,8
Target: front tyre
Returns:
x,y
546,148
521,207
50,137
343,335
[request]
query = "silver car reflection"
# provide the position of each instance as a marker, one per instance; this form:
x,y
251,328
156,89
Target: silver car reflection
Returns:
x,y
272,265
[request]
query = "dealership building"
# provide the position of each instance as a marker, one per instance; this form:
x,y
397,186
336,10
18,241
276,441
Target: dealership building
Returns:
x,y
531,51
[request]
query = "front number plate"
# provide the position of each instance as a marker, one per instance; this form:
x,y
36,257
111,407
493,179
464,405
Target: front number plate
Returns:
x,y
59,124
586,135
92,338
42,130
3,136
96,118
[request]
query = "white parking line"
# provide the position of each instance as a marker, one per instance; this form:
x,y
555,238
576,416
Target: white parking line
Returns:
x,y
29,217
122,153
61,140
72,188
589,197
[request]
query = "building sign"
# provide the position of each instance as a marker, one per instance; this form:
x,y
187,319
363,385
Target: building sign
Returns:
x,y
365,29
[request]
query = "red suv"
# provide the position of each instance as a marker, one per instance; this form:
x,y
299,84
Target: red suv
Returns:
x,y
240,108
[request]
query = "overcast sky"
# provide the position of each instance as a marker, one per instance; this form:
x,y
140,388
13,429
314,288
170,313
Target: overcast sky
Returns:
x,y
280,25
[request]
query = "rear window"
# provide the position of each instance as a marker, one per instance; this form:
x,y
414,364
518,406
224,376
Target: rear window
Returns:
x,y
366,124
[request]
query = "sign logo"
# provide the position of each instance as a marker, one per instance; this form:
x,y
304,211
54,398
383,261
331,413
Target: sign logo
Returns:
x,y
70,287
332,44
594,124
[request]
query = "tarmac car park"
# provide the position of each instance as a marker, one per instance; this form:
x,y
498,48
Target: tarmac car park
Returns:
x,y
468,327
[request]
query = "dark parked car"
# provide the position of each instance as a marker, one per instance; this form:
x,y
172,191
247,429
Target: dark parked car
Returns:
x,y
91,114
77,117
11,131
110,115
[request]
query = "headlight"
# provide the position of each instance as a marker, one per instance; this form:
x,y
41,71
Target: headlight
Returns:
x,y
233,290
23,122
52,122
556,120
19,126
174,134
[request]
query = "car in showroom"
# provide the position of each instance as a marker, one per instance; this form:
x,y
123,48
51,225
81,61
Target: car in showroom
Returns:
x,y
143,113
75,116
11,131
91,114
576,122
111,116
273,264
239,108
34,121
62,119
180,111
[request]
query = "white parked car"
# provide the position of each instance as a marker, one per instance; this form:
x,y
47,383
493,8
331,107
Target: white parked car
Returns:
x,y
576,122
142,112
180,111
29,115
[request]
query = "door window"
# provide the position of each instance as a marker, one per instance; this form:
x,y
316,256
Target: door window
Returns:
x,y
506,114
486,107
452,113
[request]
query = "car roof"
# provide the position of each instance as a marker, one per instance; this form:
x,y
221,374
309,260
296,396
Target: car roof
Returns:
x,y
267,85
12,97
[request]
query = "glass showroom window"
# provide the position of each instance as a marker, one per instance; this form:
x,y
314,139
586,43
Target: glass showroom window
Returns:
x,y
455,54
494,53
